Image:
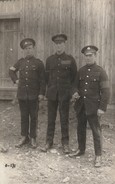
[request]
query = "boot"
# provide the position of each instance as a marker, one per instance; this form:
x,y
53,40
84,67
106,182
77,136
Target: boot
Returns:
x,y
47,147
76,154
24,140
66,149
97,162
33,143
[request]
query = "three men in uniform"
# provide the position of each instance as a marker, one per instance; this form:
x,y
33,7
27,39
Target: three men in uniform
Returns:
x,y
89,87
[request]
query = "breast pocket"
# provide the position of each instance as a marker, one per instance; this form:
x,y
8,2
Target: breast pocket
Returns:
x,y
33,72
22,68
94,81
22,72
33,68
65,71
65,67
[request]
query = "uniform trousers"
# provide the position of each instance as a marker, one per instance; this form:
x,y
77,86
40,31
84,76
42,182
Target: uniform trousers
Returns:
x,y
29,111
96,131
64,120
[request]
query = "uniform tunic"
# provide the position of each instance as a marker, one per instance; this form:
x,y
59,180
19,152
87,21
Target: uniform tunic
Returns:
x,y
31,84
31,78
93,88
61,72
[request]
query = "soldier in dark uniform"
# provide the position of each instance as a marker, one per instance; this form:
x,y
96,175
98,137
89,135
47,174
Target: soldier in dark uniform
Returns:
x,y
61,71
31,90
91,102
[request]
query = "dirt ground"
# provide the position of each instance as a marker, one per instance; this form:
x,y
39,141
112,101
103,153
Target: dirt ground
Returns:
x,y
24,165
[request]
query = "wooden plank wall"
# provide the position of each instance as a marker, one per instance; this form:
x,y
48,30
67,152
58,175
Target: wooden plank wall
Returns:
x,y
84,21
9,7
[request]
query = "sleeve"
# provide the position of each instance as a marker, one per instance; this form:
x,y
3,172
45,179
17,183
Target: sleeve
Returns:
x,y
42,79
104,90
47,70
73,76
13,71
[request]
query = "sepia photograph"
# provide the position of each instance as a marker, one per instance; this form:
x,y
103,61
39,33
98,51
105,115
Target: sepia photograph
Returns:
x,y
57,91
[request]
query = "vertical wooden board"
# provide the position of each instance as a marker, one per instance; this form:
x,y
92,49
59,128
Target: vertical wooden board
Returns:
x,y
56,20
87,18
52,26
16,6
112,53
1,7
10,48
73,27
46,29
24,18
101,25
77,33
106,36
39,28
70,27
1,50
65,19
92,23
9,7
82,28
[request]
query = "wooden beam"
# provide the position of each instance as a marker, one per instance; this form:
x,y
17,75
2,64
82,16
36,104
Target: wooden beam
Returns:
x,y
10,16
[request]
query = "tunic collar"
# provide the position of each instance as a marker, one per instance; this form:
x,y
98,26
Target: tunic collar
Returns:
x,y
60,55
91,66
29,57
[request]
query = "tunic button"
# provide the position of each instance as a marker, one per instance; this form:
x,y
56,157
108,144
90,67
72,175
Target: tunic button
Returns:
x,y
26,72
85,90
26,78
84,96
26,85
28,61
87,76
26,66
86,83
89,69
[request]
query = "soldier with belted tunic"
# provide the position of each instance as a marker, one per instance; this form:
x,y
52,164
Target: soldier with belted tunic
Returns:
x,y
31,90
61,71
91,97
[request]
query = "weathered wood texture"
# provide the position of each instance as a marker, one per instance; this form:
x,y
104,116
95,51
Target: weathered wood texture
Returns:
x,y
9,49
9,7
84,21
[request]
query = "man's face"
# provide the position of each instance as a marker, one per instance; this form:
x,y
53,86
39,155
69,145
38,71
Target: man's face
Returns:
x,y
90,59
60,47
29,50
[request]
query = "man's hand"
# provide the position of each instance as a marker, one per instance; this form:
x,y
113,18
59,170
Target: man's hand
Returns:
x,y
75,96
40,98
17,82
100,112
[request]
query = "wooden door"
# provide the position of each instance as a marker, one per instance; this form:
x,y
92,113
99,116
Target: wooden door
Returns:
x,y
9,39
